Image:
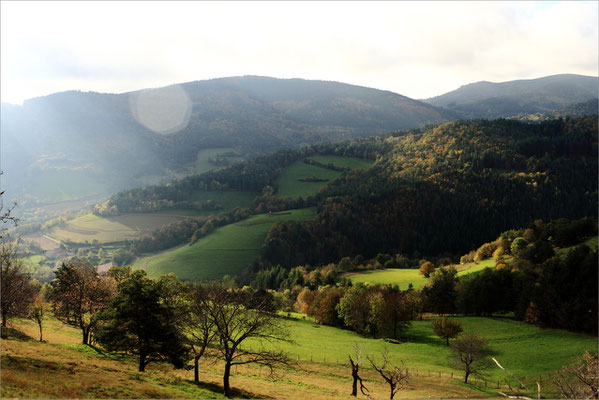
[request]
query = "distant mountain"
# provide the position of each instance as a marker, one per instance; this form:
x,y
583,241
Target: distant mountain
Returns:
x,y
72,144
527,96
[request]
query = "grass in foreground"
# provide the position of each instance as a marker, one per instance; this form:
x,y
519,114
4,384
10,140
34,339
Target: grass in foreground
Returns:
x,y
72,370
228,250
63,368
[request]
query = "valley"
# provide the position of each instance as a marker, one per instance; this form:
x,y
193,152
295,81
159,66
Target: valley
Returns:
x,y
320,216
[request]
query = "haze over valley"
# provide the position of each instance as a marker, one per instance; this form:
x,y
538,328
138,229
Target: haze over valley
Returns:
x,y
299,200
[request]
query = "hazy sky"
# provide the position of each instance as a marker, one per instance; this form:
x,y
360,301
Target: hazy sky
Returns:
x,y
416,49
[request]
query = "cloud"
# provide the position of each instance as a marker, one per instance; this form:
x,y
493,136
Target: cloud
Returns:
x,y
414,48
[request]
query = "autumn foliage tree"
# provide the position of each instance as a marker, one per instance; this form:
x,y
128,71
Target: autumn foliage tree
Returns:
x,y
426,269
447,328
16,288
79,295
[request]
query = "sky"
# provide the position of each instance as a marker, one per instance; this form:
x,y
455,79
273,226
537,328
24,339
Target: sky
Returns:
x,y
417,49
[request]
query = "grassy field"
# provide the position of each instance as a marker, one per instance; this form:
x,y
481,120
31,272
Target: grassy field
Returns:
x,y
403,277
63,368
526,350
288,183
344,162
228,250
90,227
204,165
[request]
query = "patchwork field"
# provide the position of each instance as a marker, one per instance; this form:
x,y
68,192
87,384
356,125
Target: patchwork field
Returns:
x,y
90,227
64,368
228,250
403,277
288,183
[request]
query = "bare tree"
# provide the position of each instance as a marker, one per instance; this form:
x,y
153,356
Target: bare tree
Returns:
x,y
581,379
16,287
396,376
355,369
5,216
201,330
470,354
79,295
235,322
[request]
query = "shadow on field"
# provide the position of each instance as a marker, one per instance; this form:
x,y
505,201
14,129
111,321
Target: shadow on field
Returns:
x,y
235,393
11,333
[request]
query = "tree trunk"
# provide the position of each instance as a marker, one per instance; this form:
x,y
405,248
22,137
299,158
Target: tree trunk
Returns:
x,y
40,324
392,391
354,387
466,377
4,320
85,335
226,387
196,368
447,338
142,362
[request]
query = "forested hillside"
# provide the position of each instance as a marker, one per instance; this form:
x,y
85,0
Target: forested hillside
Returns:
x,y
445,188
440,189
71,145
527,96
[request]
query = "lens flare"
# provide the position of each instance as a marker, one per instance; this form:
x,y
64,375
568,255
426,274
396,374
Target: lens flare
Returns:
x,y
165,110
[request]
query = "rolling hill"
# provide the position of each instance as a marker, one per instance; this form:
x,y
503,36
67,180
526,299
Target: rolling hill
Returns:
x,y
527,96
116,141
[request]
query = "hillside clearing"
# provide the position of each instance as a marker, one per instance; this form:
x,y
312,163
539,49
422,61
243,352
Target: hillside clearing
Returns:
x,y
288,183
228,250
403,277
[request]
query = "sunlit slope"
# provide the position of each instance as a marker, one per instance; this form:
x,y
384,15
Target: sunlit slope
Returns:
x,y
90,227
403,277
228,250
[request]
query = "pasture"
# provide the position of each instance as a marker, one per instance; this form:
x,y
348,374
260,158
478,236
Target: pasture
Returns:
x,y
203,163
403,277
228,250
90,227
288,183
61,367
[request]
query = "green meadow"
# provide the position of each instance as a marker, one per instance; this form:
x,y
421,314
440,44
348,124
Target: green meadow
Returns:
x,y
403,277
203,164
288,183
228,250
526,350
